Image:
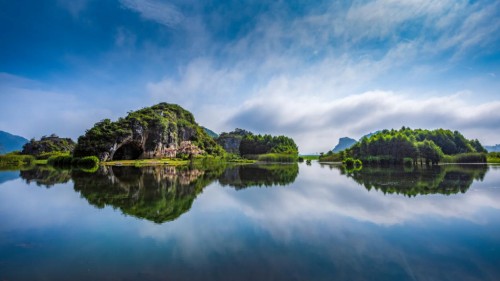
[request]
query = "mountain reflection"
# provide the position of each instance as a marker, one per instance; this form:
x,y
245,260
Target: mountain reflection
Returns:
x,y
444,179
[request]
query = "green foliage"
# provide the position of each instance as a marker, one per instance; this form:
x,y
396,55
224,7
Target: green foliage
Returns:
x,y
310,157
169,121
60,160
352,163
263,144
69,161
48,146
87,161
398,146
47,155
277,158
466,158
493,157
332,157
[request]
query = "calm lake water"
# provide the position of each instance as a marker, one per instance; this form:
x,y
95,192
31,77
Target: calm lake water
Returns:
x,y
271,222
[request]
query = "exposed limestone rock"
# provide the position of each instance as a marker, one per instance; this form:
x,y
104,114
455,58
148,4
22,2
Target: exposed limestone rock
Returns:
x,y
161,131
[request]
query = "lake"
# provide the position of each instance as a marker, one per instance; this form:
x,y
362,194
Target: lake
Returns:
x,y
255,222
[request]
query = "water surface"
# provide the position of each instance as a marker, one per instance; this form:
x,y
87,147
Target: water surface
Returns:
x,y
267,222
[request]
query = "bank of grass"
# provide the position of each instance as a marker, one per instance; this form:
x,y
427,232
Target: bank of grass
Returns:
x,y
16,161
493,157
273,157
465,158
309,157
147,162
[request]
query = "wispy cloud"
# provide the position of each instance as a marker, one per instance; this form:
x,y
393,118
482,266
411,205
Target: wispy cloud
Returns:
x,y
161,12
316,125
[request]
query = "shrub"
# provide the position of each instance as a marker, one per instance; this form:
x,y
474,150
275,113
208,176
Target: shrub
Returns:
x,y
348,162
87,161
60,160
407,161
275,157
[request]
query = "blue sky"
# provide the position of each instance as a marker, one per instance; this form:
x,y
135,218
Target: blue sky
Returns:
x,y
313,70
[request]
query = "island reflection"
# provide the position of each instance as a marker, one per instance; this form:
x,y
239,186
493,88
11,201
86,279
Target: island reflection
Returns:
x,y
413,181
159,193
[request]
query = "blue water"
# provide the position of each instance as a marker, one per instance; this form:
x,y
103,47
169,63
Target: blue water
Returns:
x,y
315,223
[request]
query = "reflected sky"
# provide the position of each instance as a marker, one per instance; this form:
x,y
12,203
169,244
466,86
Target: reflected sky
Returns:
x,y
322,226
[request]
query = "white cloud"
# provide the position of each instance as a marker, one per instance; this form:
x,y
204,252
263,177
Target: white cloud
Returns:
x,y
318,125
161,12
74,7
30,110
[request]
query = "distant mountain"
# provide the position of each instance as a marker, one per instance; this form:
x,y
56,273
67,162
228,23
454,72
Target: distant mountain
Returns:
x,y
492,148
10,142
344,143
211,133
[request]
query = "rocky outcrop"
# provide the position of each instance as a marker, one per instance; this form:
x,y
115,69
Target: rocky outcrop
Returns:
x,y
161,131
49,144
231,141
344,143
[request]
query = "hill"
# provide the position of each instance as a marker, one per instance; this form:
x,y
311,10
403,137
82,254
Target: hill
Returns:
x,y
211,133
160,131
394,146
492,148
10,142
344,143
244,143
48,144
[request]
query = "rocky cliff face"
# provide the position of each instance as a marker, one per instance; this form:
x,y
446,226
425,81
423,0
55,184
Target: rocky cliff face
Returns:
x,y
160,131
344,143
231,141
48,144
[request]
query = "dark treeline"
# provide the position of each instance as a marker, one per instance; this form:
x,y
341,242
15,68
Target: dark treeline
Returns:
x,y
410,146
262,144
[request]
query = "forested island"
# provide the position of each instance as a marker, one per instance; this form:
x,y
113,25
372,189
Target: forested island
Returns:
x,y
408,146
168,134
160,134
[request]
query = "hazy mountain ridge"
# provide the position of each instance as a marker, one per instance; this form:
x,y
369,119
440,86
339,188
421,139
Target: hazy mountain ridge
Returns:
x,y
492,148
10,142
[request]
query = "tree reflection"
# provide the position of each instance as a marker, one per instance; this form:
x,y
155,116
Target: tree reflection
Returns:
x,y
245,176
444,179
158,194
45,176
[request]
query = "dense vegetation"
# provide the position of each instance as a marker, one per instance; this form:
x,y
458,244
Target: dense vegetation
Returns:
x,y
48,146
265,148
163,123
262,144
493,157
410,146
